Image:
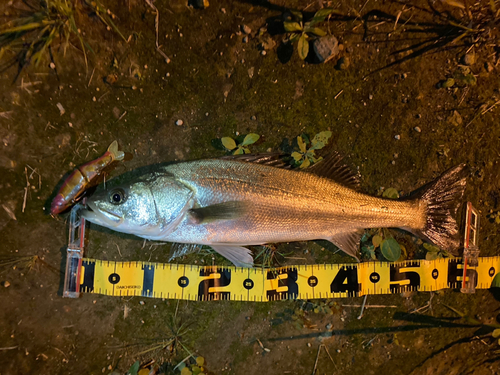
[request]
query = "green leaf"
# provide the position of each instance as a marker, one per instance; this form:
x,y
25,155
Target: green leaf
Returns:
x,y
431,256
295,37
134,369
200,361
377,240
250,138
301,144
431,248
303,46
390,249
321,14
228,143
316,31
320,140
496,333
306,163
390,193
291,27
297,14
496,281
448,83
297,156
246,150
239,151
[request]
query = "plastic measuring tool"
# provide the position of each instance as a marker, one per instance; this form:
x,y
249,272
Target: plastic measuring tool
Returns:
x,y
471,250
74,254
200,283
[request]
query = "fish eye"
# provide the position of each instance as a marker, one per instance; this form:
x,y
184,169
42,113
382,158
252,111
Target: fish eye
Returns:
x,y
117,196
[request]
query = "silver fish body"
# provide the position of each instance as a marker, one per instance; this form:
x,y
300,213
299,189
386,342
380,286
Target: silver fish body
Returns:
x,y
228,204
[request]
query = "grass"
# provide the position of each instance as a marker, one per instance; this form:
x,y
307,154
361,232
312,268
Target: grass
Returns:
x,y
31,36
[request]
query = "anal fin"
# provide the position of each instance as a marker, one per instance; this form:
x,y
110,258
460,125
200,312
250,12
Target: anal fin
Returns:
x,y
239,256
348,242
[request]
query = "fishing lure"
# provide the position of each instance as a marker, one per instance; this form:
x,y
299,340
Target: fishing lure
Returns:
x,y
83,178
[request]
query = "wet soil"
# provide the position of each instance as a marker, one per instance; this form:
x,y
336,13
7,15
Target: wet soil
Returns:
x,y
387,116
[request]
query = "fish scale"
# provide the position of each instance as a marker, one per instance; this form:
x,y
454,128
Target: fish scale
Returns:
x,y
286,205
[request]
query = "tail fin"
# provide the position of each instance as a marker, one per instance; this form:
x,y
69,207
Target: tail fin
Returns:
x,y
442,198
113,148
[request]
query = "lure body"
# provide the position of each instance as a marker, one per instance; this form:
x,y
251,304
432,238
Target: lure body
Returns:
x,y
83,178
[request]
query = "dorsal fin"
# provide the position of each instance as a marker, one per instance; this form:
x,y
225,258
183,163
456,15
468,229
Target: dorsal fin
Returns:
x,y
333,168
273,159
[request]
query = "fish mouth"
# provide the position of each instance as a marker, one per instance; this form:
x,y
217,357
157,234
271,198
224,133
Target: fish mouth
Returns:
x,y
100,216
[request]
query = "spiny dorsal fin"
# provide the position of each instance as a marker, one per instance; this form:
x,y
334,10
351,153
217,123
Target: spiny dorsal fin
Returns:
x,y
332,167
221,211
273,159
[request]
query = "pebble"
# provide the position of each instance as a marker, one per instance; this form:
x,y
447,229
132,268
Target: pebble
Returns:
x,y
469,59
343,63
370,96
326,48
309,345
417,129
6,284
141,303
245,39
223,10
253,118
397,137
263,53
179,122
246,29
329,326
52,65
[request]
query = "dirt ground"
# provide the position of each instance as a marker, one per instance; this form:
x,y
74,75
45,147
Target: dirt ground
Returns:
x,y
390,117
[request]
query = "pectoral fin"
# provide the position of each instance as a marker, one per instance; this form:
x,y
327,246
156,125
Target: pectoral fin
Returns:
x,y
348,242
239,256
221,211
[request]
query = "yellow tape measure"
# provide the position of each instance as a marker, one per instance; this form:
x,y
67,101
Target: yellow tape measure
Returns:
x,y
195,283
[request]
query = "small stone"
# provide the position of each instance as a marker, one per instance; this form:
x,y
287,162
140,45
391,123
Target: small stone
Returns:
x,y
326,48
245,39
418,116
223,10
329,326
52,65
343,63
263,52
141,303
309,345
417,129
397,137
370,97
94,99
455,119
246,29
6,284
179,122
253,118
469,59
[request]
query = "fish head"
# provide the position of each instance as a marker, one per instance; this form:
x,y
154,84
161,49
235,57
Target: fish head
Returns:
x,y
150,206
127,208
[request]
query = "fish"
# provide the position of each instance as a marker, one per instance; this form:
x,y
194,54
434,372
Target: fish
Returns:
x,y
233,202
82,178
